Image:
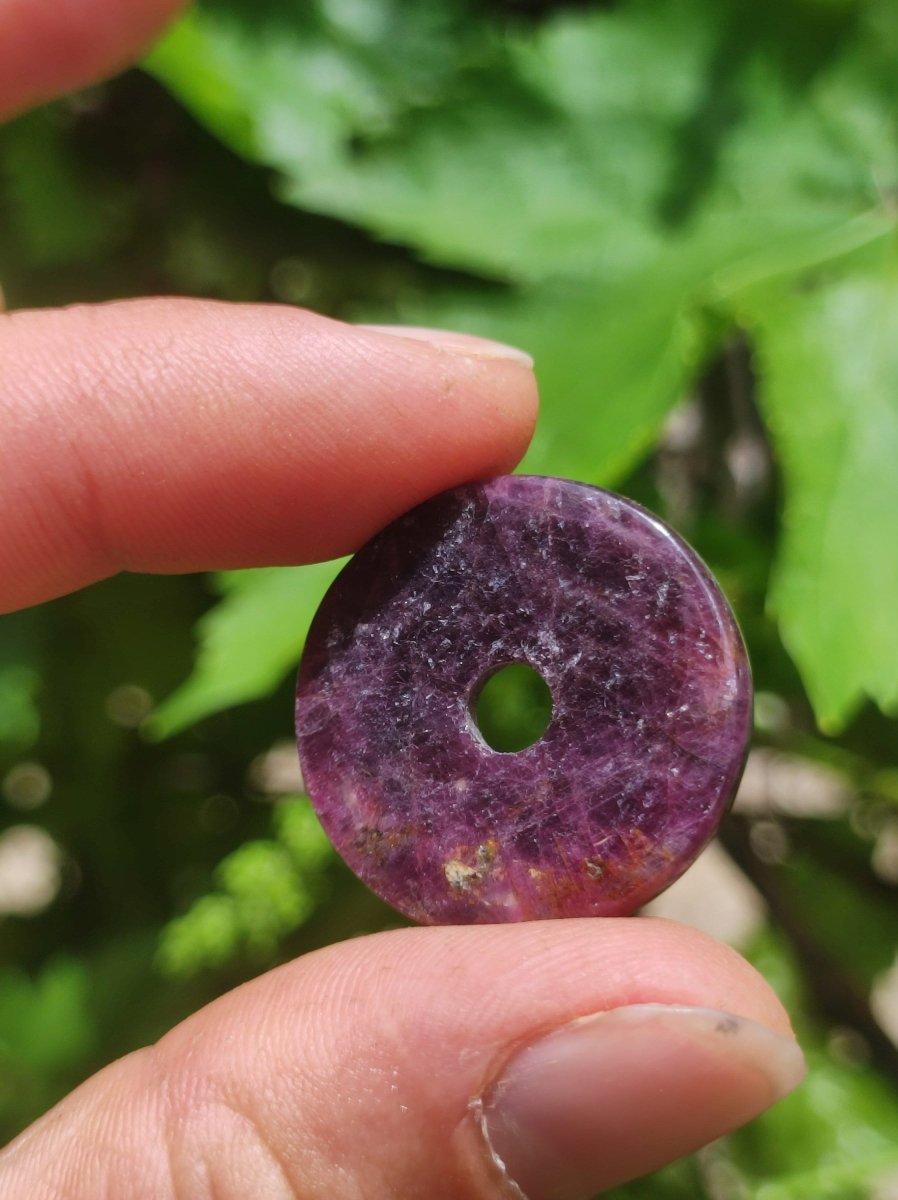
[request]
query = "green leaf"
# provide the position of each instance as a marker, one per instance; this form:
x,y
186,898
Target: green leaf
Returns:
x,y
611,362
581,144
208,75
248,641
827,348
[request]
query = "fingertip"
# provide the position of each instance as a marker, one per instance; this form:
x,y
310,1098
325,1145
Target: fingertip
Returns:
x,y
686,954
463,366
452,340
51,46
620,1093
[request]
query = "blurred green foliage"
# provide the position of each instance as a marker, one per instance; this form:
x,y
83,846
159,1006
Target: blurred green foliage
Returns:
x,y
686,209
267,889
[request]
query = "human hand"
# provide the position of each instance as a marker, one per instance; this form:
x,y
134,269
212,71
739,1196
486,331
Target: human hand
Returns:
x,y
176,436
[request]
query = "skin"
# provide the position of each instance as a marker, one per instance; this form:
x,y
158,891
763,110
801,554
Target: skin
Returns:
x,y
175,435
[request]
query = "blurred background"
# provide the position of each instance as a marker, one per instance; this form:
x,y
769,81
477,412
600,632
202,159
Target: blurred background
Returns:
x,y
686,210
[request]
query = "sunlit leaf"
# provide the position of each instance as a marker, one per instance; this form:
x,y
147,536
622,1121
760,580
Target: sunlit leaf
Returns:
x,y
581,145
827,347
248,641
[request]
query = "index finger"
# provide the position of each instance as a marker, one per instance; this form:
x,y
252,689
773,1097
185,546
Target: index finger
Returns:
x,y
51,46
183,435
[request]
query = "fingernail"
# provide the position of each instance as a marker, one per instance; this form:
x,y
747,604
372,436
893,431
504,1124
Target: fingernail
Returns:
x,y
616,1095
456,343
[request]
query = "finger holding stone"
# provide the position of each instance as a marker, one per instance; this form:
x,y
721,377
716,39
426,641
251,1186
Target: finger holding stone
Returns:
x,y
181,435
51,46
432,1064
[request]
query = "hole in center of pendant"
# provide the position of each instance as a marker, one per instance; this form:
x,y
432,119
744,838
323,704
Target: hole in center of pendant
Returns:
x,y
512,708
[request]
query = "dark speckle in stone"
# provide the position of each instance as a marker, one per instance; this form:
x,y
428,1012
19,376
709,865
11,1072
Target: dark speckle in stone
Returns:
x,y
651,696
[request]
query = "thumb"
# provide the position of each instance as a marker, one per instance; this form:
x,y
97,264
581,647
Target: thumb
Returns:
x,y
432,1063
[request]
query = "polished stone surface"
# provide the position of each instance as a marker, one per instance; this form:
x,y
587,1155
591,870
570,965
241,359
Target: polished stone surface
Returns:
x,y
651,705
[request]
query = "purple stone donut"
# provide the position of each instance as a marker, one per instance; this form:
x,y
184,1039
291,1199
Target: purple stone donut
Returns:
x,y
651,713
